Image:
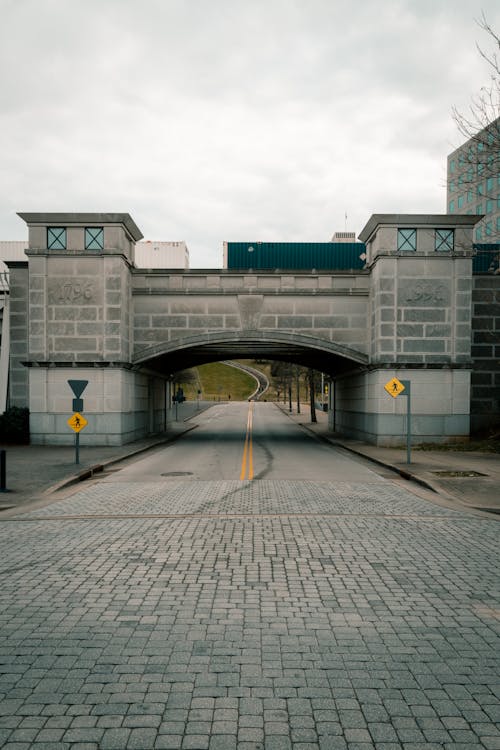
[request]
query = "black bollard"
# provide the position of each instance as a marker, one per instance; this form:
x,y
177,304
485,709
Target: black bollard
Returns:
x,y
3,470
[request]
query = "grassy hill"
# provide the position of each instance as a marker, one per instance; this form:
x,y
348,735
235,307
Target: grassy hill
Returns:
x,y
218,382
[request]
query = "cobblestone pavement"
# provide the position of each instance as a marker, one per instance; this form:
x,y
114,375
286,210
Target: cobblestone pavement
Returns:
x,y
272,614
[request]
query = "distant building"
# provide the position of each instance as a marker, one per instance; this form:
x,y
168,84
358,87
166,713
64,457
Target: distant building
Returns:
x,y
342,253
473,187
147,255
150,254
344,237
12,250
473,182
9,251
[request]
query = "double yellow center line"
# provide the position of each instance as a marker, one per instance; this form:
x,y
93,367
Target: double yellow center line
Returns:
x,y
247,460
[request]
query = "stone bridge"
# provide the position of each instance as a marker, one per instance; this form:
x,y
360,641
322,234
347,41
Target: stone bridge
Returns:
x,y
184,318
80,309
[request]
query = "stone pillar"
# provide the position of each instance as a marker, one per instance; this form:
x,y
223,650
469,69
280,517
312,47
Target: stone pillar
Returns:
x,y
420,330
79,318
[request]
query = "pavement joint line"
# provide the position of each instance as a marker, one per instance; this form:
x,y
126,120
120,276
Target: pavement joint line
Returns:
x,y
232,516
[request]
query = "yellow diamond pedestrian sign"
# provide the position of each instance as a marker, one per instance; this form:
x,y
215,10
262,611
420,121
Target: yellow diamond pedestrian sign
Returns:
x,y
394,387
77,422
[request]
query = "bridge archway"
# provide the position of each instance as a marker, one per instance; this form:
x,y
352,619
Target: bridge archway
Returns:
x,y
328,357
331,358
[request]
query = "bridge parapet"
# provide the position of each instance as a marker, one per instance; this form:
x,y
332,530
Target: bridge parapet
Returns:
x,y
160,281
169,312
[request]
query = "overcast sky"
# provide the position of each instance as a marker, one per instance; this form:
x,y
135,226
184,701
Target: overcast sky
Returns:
x,y
212,120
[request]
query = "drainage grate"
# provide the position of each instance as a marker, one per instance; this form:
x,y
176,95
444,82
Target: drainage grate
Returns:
x,y
177,474
459,474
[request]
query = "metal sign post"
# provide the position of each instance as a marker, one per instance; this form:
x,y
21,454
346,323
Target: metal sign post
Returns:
x,y
3,471
397,388
77,422
407,393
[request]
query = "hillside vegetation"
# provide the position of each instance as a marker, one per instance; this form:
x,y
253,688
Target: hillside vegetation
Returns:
x,y
217,382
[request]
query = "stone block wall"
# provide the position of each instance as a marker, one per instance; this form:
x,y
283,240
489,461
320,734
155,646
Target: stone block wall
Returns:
x,y
178,306
420,310
485,377
120,405
79,308
439,406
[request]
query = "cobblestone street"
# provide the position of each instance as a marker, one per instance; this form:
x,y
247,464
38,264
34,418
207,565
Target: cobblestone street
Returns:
x,y
267,614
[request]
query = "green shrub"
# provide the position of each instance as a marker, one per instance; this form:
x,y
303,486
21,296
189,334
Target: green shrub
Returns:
x,y
15,426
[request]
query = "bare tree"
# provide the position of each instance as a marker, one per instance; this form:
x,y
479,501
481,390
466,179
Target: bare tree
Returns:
x,y
312,394
480,122
473,168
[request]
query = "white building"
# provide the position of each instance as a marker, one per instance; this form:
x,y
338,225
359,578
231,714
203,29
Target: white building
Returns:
x,y
12,250
344,237
150,254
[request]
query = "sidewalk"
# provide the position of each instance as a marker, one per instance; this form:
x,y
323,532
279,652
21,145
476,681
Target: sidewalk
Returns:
x,y
443,471
35,470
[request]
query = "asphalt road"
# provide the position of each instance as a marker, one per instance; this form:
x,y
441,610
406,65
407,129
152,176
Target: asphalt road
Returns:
x,y
248,441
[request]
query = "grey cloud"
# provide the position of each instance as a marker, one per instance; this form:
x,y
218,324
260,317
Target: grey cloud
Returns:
x,y
267,119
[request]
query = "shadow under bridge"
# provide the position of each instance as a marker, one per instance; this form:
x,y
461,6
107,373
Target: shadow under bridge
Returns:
x,y
307,351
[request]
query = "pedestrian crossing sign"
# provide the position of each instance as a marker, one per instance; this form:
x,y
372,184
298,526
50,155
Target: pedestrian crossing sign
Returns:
x,y
394,387
77,422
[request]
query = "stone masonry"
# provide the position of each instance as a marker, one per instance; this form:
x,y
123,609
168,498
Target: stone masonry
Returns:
x,y
85,311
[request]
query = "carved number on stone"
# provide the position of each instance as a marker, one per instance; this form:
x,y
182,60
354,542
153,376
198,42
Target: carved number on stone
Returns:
x,y
75,292
427,292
